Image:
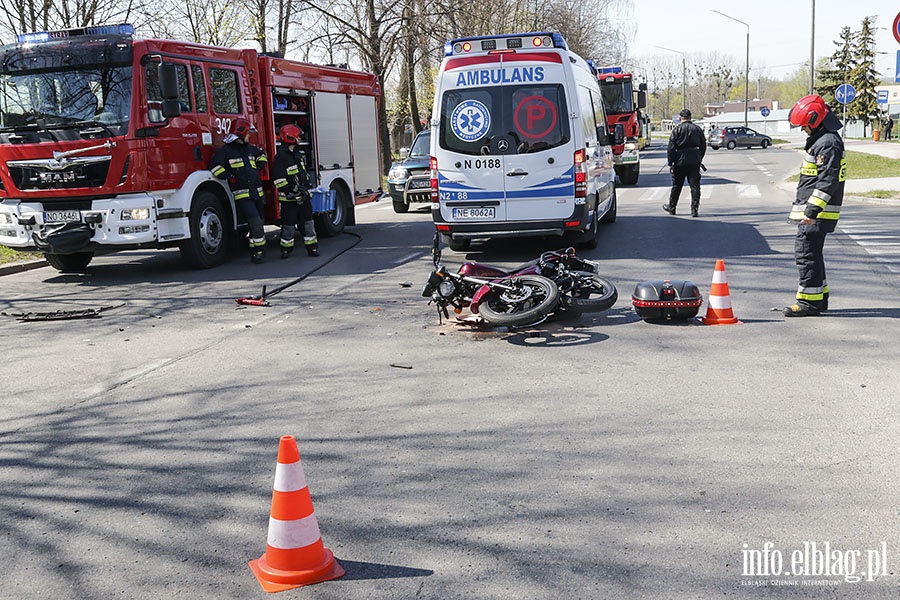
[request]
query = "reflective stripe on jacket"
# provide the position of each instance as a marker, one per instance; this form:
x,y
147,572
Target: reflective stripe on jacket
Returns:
x,y
820,191
239,164
289,173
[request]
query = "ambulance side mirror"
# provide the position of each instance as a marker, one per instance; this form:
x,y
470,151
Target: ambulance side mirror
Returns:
x,y
168,85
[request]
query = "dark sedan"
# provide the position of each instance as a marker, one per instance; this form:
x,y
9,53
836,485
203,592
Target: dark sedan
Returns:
x,y
732,137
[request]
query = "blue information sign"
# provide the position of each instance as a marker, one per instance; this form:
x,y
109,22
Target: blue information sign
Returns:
x,y
897,71
845,93
764,111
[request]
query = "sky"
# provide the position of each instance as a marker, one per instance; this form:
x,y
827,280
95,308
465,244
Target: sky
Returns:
x,y
779,30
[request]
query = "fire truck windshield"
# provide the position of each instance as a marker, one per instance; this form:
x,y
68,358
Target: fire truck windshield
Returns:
x,y
61,85
617,96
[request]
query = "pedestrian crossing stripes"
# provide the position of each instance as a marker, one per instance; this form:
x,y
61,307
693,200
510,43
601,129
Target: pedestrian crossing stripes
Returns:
x,y
883,246
737,191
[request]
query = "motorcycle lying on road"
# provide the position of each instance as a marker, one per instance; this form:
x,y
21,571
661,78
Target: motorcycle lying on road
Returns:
x,y
526,295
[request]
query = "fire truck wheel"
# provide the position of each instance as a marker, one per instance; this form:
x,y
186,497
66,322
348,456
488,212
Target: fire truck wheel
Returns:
x,y
208,244
330,224
69,263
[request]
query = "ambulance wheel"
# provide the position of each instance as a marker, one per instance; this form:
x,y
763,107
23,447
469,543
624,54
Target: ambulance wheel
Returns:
x,y
70,263
588,239
331,223
610,216
208,244
459,245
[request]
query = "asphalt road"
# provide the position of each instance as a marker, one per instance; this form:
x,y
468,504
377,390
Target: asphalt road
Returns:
x,y
603,457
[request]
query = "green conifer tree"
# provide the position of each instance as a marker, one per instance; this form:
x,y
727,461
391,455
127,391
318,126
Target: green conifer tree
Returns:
x,y
863,76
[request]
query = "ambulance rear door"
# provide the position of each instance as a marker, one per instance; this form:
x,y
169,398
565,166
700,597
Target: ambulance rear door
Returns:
x,y
503,146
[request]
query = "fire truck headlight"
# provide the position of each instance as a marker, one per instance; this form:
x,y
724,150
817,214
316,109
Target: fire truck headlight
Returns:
x,y
135,214
631,146
5,219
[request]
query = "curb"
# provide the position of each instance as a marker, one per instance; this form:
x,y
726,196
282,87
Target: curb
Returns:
x,y
20,267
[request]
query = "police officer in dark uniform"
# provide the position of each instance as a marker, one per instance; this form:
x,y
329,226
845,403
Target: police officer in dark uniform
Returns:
x,y
687,147
817,206
293,182
239,163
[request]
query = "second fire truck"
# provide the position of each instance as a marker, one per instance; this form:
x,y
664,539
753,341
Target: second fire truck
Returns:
x,y
624,105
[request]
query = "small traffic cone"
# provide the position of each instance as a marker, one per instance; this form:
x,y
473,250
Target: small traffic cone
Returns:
x,y
718,311
295,555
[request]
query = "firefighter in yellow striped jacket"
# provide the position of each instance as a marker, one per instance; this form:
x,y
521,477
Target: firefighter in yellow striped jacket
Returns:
x,y
239,162
292,182
817,206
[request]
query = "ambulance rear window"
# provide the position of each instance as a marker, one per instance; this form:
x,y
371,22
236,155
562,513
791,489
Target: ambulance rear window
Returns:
x,y
531,118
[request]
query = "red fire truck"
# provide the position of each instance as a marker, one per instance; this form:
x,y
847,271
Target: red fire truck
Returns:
x,y
105,141
624,106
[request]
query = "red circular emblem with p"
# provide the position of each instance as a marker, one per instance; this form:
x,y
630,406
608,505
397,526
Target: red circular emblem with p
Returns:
x,y
535,117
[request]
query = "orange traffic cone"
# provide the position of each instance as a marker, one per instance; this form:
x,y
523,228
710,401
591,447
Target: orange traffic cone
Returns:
x,y
718,311
295,555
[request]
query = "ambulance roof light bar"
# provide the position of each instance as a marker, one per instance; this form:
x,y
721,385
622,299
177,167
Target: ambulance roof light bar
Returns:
x,y
505,43
45,36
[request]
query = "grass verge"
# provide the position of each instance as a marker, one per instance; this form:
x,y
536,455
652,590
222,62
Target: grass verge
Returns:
x,y
861,165
8,255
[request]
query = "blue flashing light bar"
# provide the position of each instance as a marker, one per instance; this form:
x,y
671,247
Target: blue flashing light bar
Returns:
x,y
45,36
605,70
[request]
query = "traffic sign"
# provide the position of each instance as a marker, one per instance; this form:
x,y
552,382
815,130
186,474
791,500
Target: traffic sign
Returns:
x,y
896,28
764,111
845,93
897,71
882,97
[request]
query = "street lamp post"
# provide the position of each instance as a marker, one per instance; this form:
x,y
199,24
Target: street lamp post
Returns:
x,y
812,49
683,76
747,68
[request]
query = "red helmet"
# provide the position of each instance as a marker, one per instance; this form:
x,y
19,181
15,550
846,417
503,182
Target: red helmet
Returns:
x,y
241,127
289,134
809,110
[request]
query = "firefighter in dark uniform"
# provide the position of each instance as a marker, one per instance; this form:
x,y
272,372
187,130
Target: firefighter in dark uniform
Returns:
x,y
687,147
292,182
817,206
239,163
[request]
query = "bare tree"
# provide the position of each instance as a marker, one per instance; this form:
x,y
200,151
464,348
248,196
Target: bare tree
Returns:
x,y
23,16
371,28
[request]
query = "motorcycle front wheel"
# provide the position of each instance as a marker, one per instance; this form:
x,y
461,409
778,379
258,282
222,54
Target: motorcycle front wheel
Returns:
x,y
588,292
532,298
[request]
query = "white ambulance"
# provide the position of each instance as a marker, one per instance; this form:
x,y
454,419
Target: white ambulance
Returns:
x,y
519,143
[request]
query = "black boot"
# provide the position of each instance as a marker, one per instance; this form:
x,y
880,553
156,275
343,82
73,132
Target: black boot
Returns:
x,y
286,252
257,257
800,310
312,250
669,209
695,211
